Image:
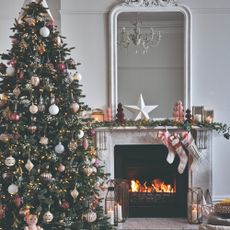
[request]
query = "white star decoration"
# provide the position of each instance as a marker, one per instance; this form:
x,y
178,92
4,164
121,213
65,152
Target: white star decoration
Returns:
x,y
140,111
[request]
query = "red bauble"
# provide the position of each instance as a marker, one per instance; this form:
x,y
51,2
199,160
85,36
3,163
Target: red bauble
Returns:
x,y
14,117
91,132
61,66
17,200
12,62
2,211
65,204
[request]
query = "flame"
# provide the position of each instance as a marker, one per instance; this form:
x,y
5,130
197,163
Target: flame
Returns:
x,y
157,185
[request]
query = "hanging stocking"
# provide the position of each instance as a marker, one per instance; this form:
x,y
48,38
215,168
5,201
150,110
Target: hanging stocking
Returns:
x,y
189,143
177,147
164,135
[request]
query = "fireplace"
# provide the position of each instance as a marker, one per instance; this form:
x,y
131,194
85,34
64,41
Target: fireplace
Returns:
x,y
156,188
119,148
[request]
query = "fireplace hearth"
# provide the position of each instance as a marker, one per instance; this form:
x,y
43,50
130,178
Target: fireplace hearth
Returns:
x,y
156,188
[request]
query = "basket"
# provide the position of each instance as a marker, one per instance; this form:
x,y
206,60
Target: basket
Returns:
x,y
222,209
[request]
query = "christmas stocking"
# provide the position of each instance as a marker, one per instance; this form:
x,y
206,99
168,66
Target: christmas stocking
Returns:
x,y
189,143
164,135
177,147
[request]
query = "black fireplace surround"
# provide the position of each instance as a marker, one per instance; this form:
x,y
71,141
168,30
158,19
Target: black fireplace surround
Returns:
x,y
145,163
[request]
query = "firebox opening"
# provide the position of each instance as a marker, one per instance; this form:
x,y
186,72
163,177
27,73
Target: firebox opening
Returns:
x,y
156,189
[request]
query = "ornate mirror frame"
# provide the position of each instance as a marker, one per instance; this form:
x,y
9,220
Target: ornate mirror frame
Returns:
x,y
148,6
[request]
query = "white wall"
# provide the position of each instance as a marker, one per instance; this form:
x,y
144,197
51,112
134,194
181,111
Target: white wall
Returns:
x,y
85,24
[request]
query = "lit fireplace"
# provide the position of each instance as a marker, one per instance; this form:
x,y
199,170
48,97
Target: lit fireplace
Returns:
x,y
157,185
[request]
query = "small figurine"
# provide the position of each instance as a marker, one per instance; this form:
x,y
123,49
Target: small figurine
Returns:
x,y
32,221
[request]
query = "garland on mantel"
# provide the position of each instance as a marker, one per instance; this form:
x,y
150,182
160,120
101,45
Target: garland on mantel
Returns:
x,y
221,128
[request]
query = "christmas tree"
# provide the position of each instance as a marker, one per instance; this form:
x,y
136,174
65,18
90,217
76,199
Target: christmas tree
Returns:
x,y
50,171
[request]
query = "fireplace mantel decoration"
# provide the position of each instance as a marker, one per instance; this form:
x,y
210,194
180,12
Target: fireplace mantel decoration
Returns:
x,y
221,128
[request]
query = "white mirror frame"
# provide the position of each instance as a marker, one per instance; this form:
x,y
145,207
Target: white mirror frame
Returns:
x,y
148,6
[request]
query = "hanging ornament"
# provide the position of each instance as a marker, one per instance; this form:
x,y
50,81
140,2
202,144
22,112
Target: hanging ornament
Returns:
x,y
48,217
35,80
46,176
41,106
59,148
16,91
85,144
41,49
10,161
32,129
21,75
2,211
24,211
61,168
44,31
13,189
70,76
94,169
12,62
57,40
80,134
10,71
77,76
91,132
74,107
14,117
51,24
23,45
72,145
90,216
33,108
53,109
17,200
16,135
87,170
61,66
65,204
29,165
30,21
44,140
74,193
4,137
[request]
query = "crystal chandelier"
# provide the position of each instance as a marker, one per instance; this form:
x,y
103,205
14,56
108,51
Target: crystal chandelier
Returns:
x,y
139,37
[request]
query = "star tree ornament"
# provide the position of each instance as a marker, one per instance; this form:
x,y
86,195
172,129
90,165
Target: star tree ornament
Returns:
x,y
140,111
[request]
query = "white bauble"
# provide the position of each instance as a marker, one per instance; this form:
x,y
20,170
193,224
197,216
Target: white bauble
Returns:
x,y
10,71
29,165
74,193
53,109
33,109
45,32
13,189
94,169
90,216
35,80
93,160
10,161
74,107
59,148
80,134
78,76
48,217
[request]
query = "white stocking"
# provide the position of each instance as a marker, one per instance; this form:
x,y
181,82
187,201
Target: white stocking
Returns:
x,y
176,145
164,136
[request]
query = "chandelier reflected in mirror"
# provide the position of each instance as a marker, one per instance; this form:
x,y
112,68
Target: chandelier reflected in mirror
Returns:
x,y
139,36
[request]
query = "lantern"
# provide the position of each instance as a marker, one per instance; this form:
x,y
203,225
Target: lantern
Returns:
x,y
195,202
111,207
122,198
198,113
97,115
208,116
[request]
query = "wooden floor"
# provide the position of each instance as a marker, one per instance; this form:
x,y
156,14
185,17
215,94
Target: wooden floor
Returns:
x,y
157,224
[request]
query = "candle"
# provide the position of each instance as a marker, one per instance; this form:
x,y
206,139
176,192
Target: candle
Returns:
x,y
194,215
119,212
197,117
209,119
111,216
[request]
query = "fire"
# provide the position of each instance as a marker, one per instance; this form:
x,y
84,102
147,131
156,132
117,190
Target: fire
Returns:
x,y
157,185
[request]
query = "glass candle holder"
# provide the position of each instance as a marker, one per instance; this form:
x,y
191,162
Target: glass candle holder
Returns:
x,y
98,115
194,208
198,113
208,116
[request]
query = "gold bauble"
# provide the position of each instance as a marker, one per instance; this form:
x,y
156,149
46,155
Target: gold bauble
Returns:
x,y
4,137
41,49
16,91
30,21
72,145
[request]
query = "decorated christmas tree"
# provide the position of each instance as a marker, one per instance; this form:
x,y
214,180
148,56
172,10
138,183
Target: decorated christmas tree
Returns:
x,y
50,171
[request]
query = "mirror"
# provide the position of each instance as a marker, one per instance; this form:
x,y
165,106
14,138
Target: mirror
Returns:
x,y
160,70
